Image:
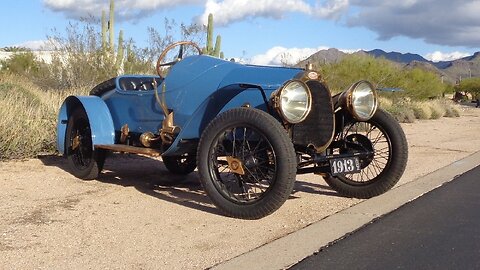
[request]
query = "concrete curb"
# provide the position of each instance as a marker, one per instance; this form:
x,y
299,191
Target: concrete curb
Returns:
x,y
289,250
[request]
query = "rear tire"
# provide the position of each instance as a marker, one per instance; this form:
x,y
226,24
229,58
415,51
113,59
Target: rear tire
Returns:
x,y
261,147
181,165
388,164
84,162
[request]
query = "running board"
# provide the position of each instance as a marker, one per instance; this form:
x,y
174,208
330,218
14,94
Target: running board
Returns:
x,y
130,149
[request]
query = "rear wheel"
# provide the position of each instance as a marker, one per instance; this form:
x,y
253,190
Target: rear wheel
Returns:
x,y
181,165
247,163
380,172
84,162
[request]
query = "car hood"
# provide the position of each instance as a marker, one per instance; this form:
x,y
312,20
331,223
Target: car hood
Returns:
x,y
215,73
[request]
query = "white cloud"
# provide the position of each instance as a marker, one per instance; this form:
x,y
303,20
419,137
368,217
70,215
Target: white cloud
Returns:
x,y
438,56
229,11
331,9
36,45
278,55
124,9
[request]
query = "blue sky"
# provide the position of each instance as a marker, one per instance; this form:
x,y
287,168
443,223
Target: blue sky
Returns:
x,y
263,30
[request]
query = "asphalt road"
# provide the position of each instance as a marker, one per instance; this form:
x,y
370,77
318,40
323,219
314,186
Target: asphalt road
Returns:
x,y
439,230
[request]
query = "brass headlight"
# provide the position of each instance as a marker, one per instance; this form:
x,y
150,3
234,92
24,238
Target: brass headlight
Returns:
x,y
293,101
360,100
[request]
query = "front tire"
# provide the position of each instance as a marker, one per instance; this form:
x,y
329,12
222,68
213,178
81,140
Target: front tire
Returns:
x,y
84,162
256,142
388,162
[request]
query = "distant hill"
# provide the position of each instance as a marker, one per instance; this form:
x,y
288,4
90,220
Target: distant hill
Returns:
x,y
396,56
451,70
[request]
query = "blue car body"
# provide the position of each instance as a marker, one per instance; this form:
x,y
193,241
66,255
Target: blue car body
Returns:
x,y
197,89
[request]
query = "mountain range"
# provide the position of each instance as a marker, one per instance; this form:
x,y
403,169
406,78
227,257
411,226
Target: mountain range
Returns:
x,y
452,71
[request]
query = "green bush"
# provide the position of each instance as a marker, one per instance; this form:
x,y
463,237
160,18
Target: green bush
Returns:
x,y
21,62
417,84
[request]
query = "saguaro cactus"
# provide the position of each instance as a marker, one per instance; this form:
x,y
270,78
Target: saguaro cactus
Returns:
x,y
111,24
120,51
109,47
104,31
209,49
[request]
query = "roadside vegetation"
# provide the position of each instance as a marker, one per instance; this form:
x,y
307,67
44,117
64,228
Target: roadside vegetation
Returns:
x,y
408,94
31,91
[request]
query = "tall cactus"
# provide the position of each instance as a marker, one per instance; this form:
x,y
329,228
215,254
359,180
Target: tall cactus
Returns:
x,y
104,31
120,51
109,47
111,24
218,44
209,49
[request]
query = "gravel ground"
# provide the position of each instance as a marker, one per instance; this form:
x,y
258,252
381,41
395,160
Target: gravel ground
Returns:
x,y
138,216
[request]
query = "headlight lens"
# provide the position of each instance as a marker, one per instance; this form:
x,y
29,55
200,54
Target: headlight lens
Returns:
x,y
361,100
293,101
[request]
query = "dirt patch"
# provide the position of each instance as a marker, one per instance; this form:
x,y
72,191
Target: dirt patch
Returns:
x,y
139,216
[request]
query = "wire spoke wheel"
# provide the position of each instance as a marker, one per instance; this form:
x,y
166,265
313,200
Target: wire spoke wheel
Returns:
x,y
381,146
247,163
83,160
257,156
381,170
81,148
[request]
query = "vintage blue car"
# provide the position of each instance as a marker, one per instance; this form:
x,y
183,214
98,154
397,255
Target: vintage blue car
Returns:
x,y
248,129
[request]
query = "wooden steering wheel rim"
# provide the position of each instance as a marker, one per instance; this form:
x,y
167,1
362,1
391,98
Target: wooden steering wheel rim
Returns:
x,y
171,46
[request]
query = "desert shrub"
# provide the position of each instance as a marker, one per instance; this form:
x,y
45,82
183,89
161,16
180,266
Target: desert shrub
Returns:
x,y
437,110
385,103
421,110
418,84
22,62
353,68
402,113
452,112
29,117
470,85
81,60
451,109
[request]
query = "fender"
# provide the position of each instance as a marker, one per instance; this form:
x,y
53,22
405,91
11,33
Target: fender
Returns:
x,y
101,123
216,103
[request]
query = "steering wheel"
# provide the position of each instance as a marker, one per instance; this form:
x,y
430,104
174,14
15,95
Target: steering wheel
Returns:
x,y
182,45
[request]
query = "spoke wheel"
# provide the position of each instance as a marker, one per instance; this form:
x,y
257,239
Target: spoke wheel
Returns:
x,y
181,165
247,163
254,153
381,171
84,162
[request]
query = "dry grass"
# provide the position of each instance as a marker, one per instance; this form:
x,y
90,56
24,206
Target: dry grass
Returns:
x,y
406,111
422,110
28,118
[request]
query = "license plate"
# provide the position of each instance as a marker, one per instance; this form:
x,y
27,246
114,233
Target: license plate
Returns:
x,y
344,165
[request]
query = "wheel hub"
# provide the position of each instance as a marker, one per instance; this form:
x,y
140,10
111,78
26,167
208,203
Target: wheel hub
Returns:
x,y
76,142
235,165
